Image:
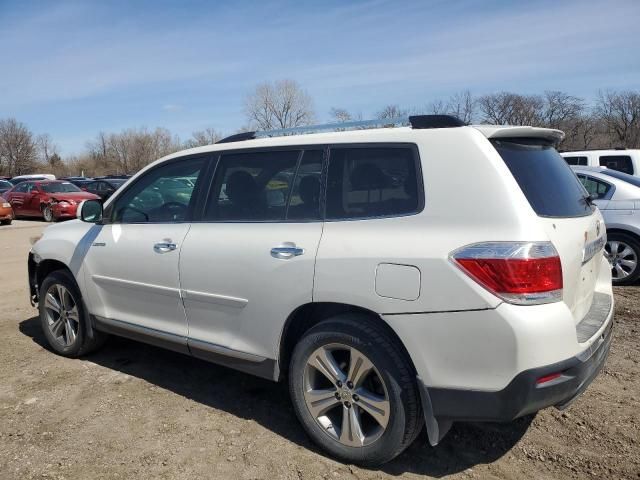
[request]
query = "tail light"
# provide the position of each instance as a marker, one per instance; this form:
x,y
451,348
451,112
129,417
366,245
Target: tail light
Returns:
x,y
523,273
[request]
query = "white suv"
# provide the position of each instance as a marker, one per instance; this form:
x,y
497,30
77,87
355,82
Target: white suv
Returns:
x,y
394,276
621,159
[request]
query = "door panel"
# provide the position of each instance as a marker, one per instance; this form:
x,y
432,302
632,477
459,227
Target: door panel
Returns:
x,y
236,293
131,281
246,271
132,264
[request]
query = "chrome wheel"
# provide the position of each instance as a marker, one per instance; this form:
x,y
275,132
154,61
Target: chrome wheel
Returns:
x,y
62,315
622,258
47,213
346,395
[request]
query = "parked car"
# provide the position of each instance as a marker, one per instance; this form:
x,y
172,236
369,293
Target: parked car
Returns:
x,y
104,188
4,186
617,195
6,212
52,200
82,184
386,300
32,177
621,159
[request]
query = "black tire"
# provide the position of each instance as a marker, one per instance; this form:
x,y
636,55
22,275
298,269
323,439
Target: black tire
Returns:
x,y
395,370
7,222
83,343
633,243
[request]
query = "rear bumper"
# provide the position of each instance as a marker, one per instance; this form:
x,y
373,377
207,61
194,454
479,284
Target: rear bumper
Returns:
x,y
523,395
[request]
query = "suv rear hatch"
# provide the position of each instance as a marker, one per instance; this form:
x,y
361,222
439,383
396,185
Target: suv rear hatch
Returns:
x,y
572,223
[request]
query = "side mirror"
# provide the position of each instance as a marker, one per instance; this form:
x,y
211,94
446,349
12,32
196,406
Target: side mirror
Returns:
x,y
90,211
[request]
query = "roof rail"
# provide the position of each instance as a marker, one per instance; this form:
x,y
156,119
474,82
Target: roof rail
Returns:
x,y
418,122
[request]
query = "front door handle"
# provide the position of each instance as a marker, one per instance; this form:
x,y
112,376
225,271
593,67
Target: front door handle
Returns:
x,y
164,247
286,250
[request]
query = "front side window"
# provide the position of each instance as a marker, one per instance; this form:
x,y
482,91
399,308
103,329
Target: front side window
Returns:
x,y
372,182
253,186
596,188
157,197
622,163
62,187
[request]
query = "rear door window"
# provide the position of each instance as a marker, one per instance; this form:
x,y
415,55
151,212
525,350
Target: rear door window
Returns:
x,y
369,182
622,163
576,160
253,186
544,177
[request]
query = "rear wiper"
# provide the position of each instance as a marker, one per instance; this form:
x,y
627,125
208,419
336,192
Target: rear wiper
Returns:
x,y
589,199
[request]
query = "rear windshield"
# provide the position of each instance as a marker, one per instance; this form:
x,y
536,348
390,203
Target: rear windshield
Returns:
x,y
546,180
62,187
622,176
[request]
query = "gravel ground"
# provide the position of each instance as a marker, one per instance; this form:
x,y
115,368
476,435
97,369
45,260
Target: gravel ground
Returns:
x,y
135,411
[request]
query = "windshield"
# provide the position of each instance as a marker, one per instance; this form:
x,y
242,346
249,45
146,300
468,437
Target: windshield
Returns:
x,y
544,177
622,176
5,184
116,183
62,187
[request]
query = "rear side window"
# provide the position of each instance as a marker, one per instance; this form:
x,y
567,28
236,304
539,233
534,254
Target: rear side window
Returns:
x,y
372,182
544,177
596,188
576,160
622,163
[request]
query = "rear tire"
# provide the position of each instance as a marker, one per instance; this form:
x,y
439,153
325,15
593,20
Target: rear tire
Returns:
x,y
623,252
382,407
64,318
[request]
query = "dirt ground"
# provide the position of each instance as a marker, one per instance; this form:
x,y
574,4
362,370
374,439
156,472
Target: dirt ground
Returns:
x,y
135,411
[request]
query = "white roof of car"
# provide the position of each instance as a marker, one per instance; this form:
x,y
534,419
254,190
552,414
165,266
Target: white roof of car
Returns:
x,y
611,151
365,135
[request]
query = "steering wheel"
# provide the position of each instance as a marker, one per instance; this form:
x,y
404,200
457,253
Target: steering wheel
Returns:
x,y
176,210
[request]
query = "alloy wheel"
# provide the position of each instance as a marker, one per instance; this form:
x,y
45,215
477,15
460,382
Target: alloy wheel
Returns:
x,y
346,395
62,315
622,258
48,214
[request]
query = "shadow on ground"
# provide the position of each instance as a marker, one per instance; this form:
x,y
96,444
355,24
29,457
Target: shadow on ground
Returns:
x,y
268,403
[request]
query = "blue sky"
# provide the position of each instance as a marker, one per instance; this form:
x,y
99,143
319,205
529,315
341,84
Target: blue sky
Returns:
x,y
75,68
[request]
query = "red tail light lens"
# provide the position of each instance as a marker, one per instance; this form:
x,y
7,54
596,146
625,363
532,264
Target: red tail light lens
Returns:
x,y
523,273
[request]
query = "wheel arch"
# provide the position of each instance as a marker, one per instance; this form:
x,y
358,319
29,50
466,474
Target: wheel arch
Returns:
x,y
624,231
309,315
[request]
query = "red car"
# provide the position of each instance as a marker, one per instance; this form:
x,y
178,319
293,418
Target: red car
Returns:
x,y
52,200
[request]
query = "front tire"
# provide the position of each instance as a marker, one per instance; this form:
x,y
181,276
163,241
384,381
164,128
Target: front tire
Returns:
x,y
47,214
63,316
354,390
623,252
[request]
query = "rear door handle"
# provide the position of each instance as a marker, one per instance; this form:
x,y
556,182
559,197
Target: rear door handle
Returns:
x,y
286,250
164,247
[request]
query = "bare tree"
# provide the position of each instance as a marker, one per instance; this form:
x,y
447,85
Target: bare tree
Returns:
x,y
620,112
391,111
209,136
463,106
511,109
340,115
282,104
18,151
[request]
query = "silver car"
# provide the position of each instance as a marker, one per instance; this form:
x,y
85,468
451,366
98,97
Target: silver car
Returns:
x,y
617,195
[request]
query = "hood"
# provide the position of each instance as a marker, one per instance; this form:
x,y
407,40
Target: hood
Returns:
x,y
75,196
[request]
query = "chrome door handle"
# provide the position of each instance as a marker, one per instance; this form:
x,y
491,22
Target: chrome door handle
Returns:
x,y
286,250
164,247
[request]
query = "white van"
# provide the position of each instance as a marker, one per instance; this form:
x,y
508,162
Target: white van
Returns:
x,y
623,160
